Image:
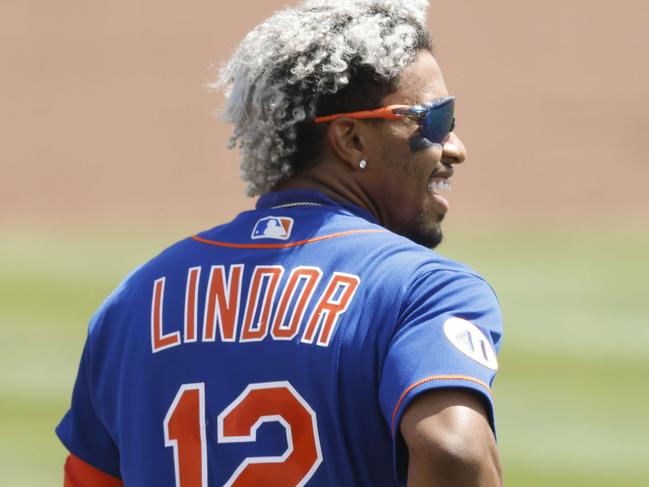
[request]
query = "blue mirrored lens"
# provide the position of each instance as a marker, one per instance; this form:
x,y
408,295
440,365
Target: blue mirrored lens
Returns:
x,y
439,119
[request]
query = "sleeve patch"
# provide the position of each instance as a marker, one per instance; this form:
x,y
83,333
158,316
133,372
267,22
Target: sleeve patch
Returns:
x,y
469,340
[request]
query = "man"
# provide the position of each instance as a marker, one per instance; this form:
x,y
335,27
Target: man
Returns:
x,y
316,340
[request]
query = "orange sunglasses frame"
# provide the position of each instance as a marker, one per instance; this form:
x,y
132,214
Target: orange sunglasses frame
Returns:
x,y
390,112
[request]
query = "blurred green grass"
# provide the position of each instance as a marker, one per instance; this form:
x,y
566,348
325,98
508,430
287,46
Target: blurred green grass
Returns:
x,y
572,396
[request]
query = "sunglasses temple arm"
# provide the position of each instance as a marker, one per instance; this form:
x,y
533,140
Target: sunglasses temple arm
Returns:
x,y
390,113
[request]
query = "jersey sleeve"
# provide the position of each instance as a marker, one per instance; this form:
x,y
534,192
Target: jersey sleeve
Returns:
x,y
77,473
448,335
81,429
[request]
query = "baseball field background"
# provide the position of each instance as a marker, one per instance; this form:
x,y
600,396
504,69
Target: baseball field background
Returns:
x,y
109,152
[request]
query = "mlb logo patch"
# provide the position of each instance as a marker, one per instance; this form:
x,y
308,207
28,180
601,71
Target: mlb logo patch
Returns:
x,y
277,227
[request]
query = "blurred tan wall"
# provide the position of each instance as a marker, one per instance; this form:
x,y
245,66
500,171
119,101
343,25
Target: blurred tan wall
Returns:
x,y
105,117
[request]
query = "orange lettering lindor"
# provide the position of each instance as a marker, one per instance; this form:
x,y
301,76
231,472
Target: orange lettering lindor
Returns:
x,y
160,341
191,297
311,276
273,274
222,303
328,310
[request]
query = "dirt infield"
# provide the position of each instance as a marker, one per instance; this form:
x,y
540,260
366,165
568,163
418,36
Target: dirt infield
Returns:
x,y
105,115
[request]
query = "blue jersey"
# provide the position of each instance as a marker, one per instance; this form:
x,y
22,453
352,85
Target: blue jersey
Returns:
x,y
281,348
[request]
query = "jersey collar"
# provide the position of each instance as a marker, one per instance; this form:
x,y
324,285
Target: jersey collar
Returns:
x,y
278,198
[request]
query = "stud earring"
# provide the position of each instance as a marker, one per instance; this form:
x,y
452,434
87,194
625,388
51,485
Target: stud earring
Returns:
x,y
362,164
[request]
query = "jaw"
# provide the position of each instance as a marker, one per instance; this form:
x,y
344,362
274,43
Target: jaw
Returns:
x,y
424,225
427,234
416,210
426,228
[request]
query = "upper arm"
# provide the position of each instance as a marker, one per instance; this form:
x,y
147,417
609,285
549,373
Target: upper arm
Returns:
x,y
83,430
450,441
450,330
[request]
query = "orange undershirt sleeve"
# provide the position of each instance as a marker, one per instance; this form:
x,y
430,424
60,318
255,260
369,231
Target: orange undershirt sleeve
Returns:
x,y
80,474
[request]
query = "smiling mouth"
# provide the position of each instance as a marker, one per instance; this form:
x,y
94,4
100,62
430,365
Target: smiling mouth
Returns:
x,y
439,184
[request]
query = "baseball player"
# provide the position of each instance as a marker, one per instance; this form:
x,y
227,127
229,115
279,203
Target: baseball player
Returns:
x,y
316,340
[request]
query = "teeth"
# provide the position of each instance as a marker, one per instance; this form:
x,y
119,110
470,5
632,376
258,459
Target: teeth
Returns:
x,y
440,185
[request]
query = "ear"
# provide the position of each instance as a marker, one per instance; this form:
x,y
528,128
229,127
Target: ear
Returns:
x,y
348,139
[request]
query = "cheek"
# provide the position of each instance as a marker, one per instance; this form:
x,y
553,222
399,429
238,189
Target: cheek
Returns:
x,y
419,143
403,172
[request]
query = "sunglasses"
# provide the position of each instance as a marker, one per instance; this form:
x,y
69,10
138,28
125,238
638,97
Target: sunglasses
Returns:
x,y
436,119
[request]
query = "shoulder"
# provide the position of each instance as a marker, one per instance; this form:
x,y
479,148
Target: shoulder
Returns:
x,y
450,280
434,289
434,270
444,288
137,284
392,258
417,281
418,265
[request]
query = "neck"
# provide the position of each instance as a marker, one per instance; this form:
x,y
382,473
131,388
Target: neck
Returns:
x,y
345,188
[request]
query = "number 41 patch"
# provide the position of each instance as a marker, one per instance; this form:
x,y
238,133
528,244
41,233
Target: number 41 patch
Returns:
x,y
469,340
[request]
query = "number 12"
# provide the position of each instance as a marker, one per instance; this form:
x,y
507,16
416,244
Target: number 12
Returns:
x,y
184,430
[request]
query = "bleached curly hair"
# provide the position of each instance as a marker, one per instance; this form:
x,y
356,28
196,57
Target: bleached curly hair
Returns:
x,y
319,57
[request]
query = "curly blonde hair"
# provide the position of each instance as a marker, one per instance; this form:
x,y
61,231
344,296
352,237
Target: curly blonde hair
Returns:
x,y
285,70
